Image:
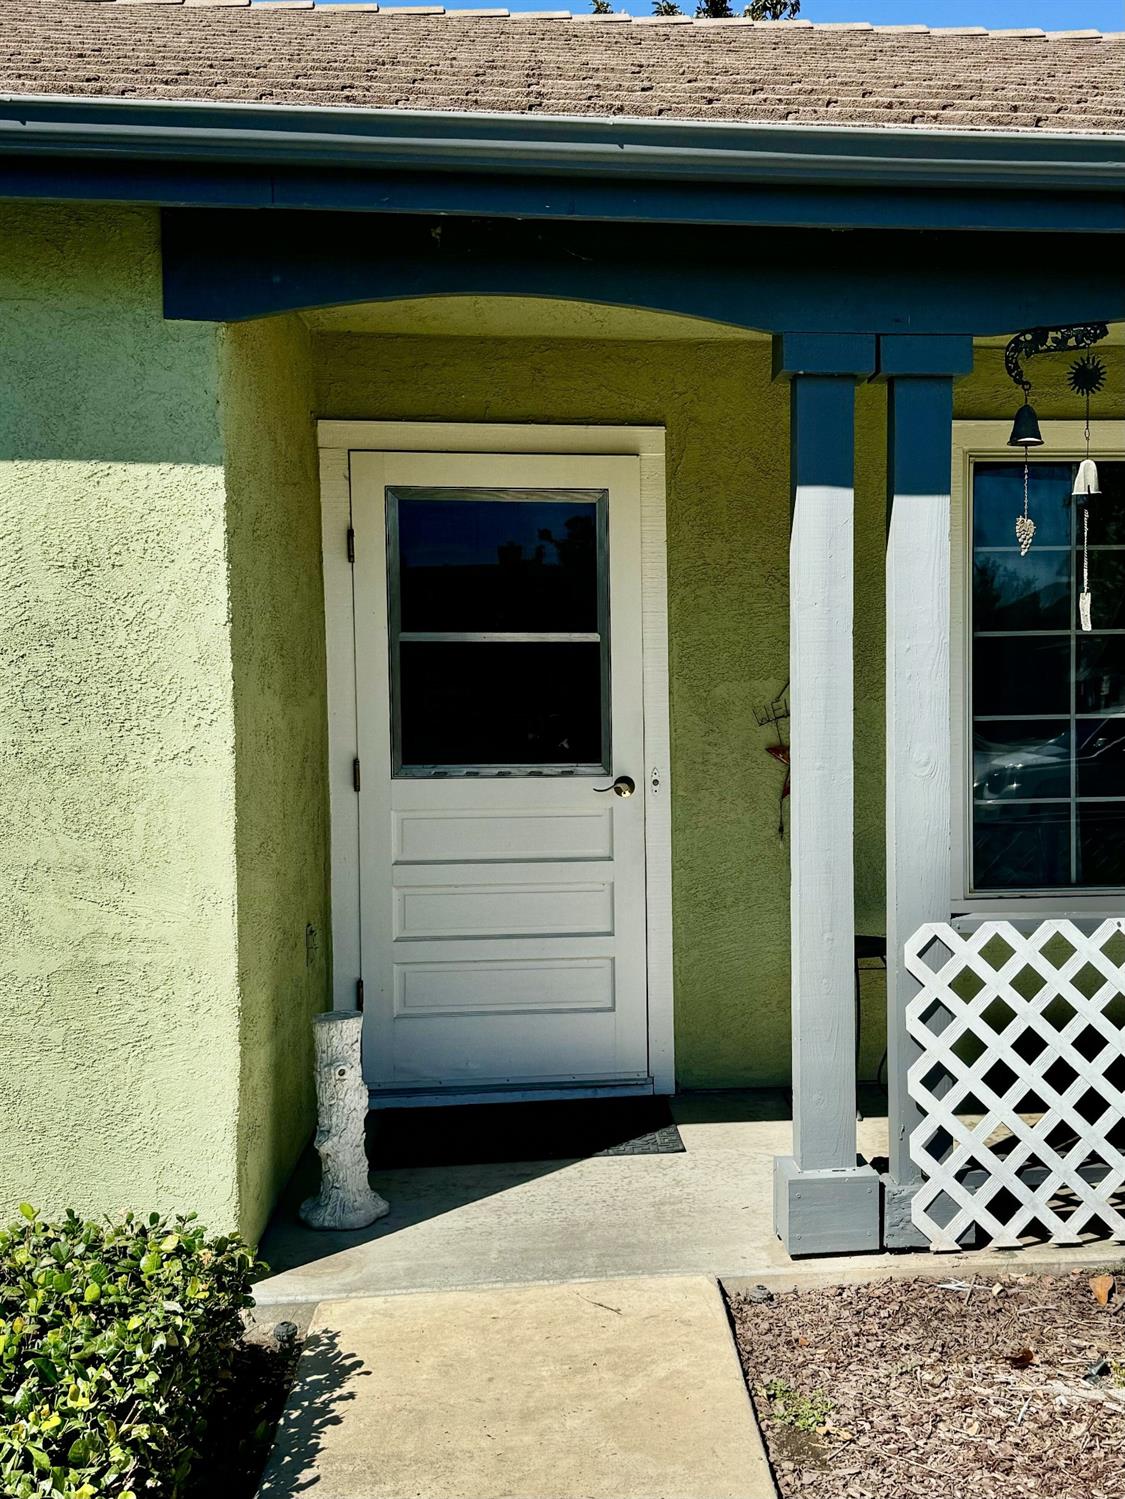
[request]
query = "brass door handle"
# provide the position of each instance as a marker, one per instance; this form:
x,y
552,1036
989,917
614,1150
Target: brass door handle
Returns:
x,y
623,786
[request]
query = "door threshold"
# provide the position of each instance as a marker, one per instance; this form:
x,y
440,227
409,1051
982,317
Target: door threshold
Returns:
x,y
446,1097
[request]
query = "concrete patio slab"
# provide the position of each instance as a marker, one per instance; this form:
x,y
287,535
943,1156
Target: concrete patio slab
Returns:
x,y
629,1389
708,1211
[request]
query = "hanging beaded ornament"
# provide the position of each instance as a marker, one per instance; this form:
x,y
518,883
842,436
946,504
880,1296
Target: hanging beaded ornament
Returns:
x,y
1086,377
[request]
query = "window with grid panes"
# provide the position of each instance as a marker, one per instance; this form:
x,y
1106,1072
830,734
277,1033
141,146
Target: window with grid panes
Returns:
x,y
1047,699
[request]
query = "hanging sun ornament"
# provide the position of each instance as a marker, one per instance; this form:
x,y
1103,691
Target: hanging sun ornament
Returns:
x,y
1086,377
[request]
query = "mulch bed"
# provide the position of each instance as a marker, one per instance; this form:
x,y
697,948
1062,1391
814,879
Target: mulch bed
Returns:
x,y
908,1389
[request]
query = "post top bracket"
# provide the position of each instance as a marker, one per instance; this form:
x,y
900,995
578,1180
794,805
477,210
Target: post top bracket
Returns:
x,y
843,355
924,355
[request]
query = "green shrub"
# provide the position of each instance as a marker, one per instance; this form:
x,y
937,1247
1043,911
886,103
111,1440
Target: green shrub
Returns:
x,y
116,1340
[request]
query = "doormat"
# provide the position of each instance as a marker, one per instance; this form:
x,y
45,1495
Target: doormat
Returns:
x,y
486,1133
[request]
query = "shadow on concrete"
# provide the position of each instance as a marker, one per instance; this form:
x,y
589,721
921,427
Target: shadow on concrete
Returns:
x,y
315,1404
416,1195
760,1105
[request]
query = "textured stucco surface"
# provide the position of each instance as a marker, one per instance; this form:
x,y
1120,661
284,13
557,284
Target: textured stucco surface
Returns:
x,y
727,434
120,1079
281,831
161,739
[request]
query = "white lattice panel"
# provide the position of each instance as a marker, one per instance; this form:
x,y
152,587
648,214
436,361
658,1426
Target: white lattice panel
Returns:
x,y
1021,1081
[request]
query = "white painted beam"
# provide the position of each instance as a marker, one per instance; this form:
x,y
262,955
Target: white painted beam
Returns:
x,y
824,1200
920,374
822,865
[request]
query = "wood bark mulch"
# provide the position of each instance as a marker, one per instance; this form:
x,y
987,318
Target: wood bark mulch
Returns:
x,y
916,1389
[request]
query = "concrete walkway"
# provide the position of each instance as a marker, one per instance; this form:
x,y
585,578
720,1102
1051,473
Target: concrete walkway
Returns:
x,y
628,1389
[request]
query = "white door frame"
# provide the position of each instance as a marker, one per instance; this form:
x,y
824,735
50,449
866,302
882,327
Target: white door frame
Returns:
x,y
337,439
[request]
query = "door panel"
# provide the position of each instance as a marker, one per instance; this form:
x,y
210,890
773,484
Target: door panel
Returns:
x,y
498,676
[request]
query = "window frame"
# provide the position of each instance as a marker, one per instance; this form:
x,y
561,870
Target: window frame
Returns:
x,y
987,441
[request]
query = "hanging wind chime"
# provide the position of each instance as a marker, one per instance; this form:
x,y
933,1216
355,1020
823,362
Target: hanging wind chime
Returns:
x,y
1086,377
1025,435
1025,429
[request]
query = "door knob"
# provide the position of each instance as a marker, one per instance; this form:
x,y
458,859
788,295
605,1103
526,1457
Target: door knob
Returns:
x,y
623,786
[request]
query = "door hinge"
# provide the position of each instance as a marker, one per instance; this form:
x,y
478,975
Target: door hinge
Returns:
x,y
351,544
359,995
356,780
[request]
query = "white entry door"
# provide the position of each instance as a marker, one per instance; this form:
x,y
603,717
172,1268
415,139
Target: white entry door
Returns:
x,y
500,724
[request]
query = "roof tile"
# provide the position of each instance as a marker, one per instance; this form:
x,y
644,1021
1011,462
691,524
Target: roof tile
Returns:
x,y
290,52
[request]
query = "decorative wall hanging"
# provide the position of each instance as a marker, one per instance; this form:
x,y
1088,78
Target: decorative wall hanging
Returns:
x,y
1025,429
774,716
1086,377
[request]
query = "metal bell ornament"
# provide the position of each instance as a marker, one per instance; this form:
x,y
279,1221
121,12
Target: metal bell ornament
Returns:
x,y
1086,479
1025,430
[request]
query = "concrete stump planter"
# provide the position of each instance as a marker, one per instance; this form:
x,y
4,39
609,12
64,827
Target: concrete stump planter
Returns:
x,y
346,1200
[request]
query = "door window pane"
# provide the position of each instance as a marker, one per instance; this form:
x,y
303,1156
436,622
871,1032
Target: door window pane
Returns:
x,y
488,562
474,704
1048,752
499,630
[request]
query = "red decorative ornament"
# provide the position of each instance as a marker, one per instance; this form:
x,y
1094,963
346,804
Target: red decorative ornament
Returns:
x,y
780,753
774,716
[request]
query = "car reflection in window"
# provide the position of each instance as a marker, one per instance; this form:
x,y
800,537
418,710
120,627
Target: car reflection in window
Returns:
x,y
1021,762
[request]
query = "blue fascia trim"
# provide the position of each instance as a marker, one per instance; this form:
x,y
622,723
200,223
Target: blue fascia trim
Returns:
x,y
409,161
197,185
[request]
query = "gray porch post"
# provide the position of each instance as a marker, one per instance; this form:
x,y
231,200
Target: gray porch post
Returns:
x,y
825,1201
920,373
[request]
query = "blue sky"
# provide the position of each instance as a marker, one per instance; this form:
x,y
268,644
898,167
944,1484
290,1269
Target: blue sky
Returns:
x,y
1052,15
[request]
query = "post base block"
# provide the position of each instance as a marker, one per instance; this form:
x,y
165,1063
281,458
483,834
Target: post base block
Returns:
x,y
826,1212
898,1225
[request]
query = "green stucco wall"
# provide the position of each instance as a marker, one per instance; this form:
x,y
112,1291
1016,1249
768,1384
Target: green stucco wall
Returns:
x,y
139,959
280,725
728,499
120,1081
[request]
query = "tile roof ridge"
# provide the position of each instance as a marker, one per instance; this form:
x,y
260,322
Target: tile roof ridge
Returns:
x,y
1016,33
